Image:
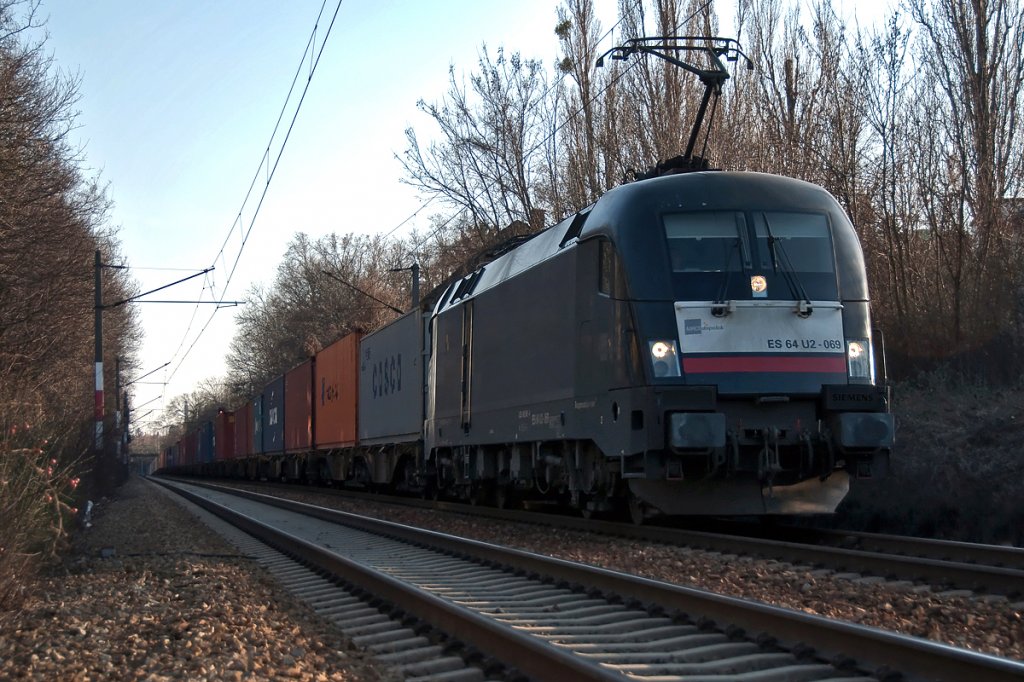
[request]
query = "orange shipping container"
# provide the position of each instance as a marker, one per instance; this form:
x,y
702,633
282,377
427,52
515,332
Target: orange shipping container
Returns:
x,y
298,408
335,393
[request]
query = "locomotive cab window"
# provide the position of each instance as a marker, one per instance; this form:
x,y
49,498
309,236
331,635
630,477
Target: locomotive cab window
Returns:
x,y
715,254
715,241
708,253
800,245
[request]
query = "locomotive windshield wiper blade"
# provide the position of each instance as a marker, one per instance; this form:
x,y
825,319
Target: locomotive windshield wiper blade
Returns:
x,y
719,306
788,271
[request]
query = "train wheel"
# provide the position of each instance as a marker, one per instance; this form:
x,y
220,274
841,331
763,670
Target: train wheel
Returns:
x,y
324,474
591,506
504,498
479,493
430,490
637,509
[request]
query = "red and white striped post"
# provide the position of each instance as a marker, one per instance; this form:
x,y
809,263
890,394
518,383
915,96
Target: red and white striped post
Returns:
x,y
99,357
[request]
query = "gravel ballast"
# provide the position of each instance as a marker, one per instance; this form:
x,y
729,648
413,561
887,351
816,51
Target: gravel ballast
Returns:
x,y
149,593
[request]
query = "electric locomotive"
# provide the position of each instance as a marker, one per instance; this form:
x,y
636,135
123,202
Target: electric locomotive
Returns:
x,y
693,344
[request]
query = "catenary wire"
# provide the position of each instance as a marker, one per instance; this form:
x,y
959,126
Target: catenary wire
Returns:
x,y
264,162
565,122
271,170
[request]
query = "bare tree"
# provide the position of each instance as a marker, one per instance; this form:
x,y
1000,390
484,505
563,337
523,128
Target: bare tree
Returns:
x,y
583,175
492,137
52,220
324,289
890,235
972,56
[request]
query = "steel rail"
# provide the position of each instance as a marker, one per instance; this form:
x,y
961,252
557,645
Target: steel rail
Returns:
x,y
873,650
948,550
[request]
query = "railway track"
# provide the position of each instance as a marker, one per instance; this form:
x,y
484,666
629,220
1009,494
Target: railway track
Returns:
x,y
553,619
946,565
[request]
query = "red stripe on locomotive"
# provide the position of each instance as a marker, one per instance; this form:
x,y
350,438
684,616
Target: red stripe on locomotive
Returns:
x,y
831,364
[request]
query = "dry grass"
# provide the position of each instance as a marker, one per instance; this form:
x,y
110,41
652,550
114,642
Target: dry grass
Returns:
x,y
958,468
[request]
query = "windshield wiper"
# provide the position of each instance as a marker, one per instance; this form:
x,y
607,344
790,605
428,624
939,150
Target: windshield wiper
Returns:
x,y
803,308
720,307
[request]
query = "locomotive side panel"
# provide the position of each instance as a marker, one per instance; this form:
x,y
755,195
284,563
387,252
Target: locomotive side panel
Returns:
x,y
524,343
445,393
504,360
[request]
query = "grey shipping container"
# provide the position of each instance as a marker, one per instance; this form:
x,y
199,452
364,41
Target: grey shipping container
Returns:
x,y
391,372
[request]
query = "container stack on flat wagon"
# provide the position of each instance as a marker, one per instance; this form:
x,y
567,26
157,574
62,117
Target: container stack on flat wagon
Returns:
x,y
223,441
168,457
242,445
204,446
189,447
273,418
391,383
298,418
256,436
335,401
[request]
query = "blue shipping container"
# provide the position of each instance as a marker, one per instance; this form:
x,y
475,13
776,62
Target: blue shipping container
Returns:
x,y
273,416
206,443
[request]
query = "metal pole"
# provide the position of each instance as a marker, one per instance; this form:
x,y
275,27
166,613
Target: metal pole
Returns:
x,y
117,408
99,357
126,434
415,286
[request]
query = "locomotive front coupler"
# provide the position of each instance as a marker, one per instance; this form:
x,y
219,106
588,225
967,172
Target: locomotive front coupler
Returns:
x,y
768,463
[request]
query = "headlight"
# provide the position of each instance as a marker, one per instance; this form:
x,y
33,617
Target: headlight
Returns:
x,y
664,358
859,361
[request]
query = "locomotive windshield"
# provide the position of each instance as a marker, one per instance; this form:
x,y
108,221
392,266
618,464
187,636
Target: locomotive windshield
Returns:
x,y
716,254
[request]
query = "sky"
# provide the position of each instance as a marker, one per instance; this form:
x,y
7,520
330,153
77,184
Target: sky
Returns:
x,y
178,103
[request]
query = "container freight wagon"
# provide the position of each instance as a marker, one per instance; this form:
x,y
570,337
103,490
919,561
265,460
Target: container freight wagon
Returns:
x,y
252,463
391,380
298,419
223,441
273,417
242,445
189,445
335,399
204,445
170,457
272,429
